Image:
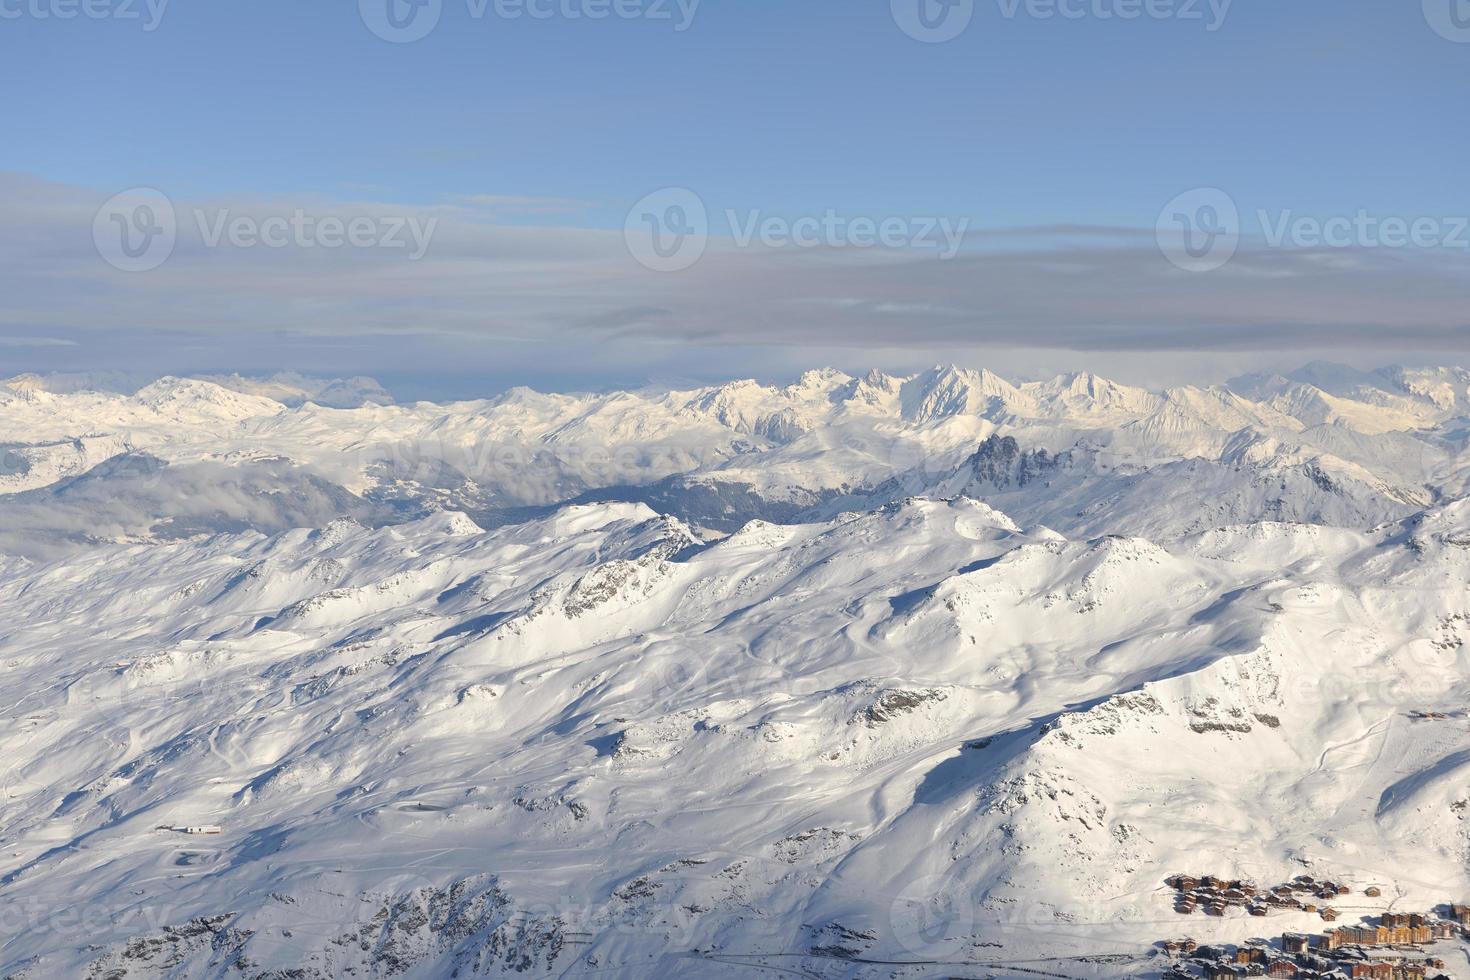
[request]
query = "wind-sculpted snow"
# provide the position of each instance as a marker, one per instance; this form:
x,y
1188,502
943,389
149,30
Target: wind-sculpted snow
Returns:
x,y
594,744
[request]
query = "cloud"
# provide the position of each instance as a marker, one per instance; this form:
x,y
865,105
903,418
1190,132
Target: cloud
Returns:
x,y
489,293
515,204
17,341
135,497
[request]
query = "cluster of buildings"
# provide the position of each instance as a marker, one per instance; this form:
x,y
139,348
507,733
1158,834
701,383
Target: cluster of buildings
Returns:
x,y
1393,929
1344,953
1214,895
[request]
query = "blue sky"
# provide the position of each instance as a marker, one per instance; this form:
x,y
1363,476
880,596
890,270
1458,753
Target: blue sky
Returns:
x,y
785,108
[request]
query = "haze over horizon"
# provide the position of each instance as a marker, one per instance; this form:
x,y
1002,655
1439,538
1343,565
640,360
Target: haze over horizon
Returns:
x,y
850,188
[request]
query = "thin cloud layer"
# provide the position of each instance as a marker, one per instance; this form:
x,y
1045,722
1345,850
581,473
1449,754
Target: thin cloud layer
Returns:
x,y
514,292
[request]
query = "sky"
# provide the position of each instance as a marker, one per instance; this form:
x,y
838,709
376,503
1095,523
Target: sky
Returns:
x,y
461,195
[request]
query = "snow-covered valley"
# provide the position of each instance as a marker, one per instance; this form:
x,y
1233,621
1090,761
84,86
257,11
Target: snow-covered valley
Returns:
x,y
995,661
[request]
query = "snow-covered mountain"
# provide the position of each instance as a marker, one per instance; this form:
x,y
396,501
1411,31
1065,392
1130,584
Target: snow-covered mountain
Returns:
x,y
591,744
719,456
856,677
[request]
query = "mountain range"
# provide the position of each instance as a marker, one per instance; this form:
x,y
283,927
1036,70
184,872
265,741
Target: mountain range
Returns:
x,y
856,677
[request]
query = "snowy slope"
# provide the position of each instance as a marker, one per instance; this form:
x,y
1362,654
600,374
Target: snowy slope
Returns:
x,y
589,744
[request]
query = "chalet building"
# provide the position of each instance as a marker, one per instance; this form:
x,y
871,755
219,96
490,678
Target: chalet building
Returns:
x,y
1362,935
1284,969
1461,914
1250,954
1219,971
1328,914
1373,891
1296,942
1392,935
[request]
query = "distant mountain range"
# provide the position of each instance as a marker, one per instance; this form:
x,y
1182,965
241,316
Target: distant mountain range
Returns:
x,y
1323,445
